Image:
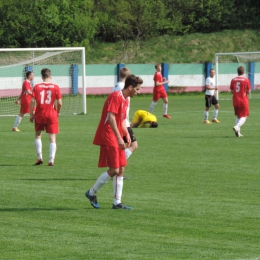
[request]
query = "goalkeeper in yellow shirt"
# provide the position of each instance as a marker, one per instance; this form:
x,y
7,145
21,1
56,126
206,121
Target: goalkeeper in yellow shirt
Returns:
x,y
144,119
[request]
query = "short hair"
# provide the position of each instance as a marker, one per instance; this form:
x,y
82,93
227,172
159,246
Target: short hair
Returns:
x,y
133,80
28,73
211,70
124,72
154,125
240,70
157,65
46,73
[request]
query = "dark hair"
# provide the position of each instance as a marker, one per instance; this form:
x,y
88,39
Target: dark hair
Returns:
x,y
132,80
28,73
154,125
240,70
46,73
211,70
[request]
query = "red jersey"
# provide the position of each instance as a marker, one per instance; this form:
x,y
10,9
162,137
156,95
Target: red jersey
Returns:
x,y
46,94
25,97
158,78
240,86
116,104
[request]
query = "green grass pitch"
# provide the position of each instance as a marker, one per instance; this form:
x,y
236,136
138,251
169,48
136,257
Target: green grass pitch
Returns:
x,y
195,189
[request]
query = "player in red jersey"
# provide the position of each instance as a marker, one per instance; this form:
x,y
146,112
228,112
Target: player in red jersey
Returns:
x,y
159,91
240,87
24,99
110,137
46,114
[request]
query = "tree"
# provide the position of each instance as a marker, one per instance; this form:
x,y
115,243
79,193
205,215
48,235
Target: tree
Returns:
x,y
48,23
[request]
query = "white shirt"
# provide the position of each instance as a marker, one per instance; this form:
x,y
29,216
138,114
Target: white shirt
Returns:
x,y
211,82
117,87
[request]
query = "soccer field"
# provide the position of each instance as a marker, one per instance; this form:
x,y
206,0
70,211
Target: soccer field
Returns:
x,y
195,189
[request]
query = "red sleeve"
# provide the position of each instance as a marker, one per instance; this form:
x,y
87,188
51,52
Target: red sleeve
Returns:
x,y
33,91
113,104
248,85
27,85
58,93
156,77
231,85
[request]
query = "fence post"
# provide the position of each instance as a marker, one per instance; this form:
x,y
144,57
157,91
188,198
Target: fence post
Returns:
x,y
119,67
74,79
251,74
165,74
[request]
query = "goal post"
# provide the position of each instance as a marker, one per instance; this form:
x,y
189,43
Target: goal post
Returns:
x,y
68,68
226,65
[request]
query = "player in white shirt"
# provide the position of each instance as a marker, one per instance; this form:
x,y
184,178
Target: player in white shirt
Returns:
x,y
210,97
123,73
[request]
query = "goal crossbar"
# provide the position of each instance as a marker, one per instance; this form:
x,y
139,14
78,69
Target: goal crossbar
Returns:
x,y
48,53
249,56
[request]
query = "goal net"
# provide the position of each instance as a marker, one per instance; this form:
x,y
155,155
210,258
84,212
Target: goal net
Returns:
x,y
226,65
67,66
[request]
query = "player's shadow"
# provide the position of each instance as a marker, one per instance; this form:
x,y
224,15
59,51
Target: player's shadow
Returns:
x,y
56,179
4,165
34,209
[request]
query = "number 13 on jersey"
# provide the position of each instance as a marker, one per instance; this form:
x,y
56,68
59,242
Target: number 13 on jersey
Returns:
x,y
46,99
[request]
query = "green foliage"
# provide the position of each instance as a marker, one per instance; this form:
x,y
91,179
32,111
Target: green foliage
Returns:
x,y
55,23
47,23
125,20
190,48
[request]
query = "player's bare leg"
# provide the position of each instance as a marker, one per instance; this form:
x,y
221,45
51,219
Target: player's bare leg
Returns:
x,y
165,108
215,114
153,104
38,147
118,182
53,148
101,181
206,116
17,121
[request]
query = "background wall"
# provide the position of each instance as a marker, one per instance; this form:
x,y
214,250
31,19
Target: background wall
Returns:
x,y
100,79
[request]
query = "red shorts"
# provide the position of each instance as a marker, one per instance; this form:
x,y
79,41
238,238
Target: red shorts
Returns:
x,y
25,108
159,93
241,111
49,128
112,157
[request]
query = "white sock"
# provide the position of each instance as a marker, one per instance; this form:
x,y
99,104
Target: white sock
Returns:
x,y
38,146
236,121
215,113
206,115
165,108
128,153
17,121
153,104
241,121
118,182
101,181
53,148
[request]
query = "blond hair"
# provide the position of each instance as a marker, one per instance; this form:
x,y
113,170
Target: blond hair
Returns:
x,y
124,72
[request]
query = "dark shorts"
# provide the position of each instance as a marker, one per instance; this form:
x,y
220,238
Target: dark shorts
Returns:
x,y
131,134
210,100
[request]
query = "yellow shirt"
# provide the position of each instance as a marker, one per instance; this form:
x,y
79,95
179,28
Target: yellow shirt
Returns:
x,y
144,117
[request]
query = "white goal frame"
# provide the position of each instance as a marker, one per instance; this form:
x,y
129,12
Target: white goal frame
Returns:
x,y
236,54
82,49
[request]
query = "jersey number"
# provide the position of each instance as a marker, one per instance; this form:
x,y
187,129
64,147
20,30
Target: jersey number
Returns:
x,y
238,86
48,97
